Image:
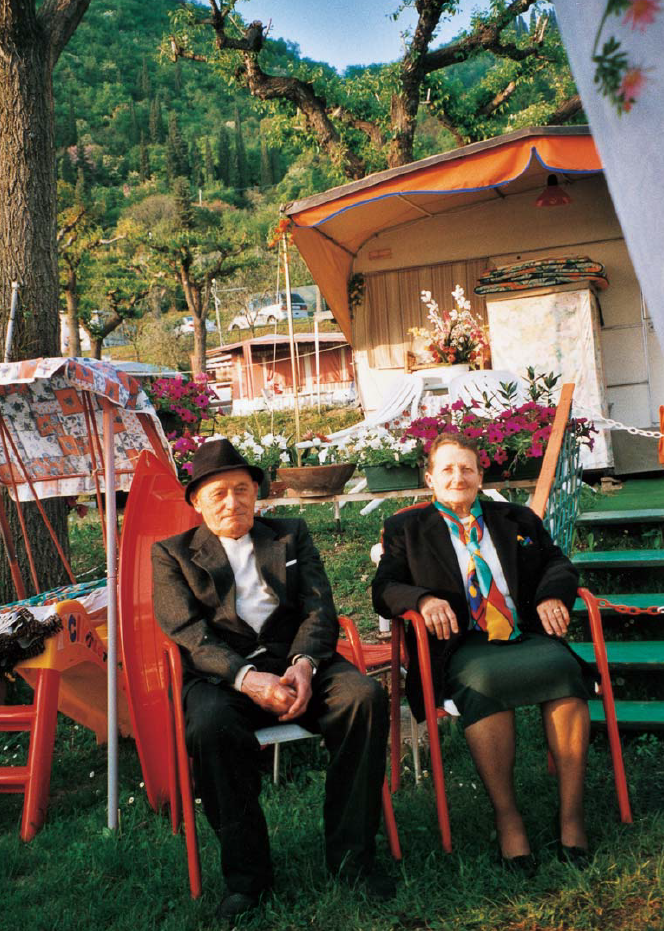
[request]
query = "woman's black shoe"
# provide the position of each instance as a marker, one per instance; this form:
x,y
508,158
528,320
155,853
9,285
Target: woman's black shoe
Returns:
x,y
578,857
524,865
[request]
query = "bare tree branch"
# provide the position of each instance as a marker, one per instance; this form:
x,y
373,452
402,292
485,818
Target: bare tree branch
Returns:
x,y
499,99
565,111
486,37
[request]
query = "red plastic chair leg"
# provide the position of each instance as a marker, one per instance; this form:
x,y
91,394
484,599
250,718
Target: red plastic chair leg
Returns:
x,y
40,753
615,746
390,822
395,704
432,728
184,773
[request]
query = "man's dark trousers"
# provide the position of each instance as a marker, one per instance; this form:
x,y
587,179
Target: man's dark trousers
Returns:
x,y
349,710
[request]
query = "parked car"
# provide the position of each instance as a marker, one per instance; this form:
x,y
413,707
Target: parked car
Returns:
x,y
186,325
265,312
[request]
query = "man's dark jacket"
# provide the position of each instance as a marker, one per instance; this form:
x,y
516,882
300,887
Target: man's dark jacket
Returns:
x,y
419,559
194,599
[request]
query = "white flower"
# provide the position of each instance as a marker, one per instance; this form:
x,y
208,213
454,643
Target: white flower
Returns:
x,y
130,800
268,439
92,774
323,455
284,457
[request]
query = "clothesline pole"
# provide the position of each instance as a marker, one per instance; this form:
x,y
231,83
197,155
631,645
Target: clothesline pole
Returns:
x,y
111,581
291,338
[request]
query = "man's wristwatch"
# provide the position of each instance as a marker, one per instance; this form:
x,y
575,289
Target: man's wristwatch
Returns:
x,y
314,667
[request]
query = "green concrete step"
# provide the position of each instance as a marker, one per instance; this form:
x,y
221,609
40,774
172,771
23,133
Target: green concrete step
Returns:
x,y
640,600
632,715
619,559
644,655
637,515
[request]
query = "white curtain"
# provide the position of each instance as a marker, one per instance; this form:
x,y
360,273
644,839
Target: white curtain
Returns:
x,y
631,144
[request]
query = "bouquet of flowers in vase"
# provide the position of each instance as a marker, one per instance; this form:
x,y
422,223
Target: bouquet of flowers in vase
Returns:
x,y
455,335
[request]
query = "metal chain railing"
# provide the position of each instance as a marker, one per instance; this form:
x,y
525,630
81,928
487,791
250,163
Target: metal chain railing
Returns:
x,y
600,420
630,609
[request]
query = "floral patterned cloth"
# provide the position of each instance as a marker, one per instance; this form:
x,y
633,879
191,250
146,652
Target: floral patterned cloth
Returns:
x,y
41,404
629,142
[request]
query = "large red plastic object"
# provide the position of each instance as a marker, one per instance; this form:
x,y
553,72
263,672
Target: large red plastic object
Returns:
x,y
155,509
34,779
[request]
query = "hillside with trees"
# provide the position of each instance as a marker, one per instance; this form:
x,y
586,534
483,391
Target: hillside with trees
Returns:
x,y
180,129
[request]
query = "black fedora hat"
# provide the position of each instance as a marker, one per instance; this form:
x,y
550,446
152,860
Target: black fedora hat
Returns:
x,y
217,456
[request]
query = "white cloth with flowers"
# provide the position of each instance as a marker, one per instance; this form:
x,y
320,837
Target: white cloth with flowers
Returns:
x,y
629,144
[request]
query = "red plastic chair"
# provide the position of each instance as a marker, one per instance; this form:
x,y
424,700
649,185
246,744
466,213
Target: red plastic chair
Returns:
x,y
433,713
156,509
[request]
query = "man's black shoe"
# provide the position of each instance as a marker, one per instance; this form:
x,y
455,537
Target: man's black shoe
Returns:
x,y
236,904
376,884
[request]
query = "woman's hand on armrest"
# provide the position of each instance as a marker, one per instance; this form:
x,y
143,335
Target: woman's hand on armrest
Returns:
x,y
438,616
554,616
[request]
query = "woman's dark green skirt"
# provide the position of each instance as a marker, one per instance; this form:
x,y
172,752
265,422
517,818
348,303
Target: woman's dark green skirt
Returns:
x,y
485,677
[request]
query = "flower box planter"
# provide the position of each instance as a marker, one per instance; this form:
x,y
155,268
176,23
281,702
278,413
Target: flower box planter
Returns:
x,y
317,481
506,472
383,478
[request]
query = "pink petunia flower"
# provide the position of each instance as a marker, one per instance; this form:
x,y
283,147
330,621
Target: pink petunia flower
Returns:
x,y
642,13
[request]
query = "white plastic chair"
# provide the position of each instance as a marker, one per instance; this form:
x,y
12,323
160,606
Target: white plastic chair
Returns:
x,y
470,386
406,391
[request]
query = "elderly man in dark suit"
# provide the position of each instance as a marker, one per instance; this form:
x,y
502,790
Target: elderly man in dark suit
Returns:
x,y
249,604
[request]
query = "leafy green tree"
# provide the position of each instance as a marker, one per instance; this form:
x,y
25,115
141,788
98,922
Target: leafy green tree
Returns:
x,y
116,289
79,236
195,164
133,123
267,178
212,248
177,161
156,122
223,157
208,160
67,170
145,82
144,159
82,195
369,119
240,165
184,214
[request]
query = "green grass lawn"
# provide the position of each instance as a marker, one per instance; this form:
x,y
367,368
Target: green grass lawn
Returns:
x,y
77,875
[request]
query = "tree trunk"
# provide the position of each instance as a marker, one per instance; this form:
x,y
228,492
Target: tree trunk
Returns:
x,y
71,298
50,571
193,294
27,190
96,346
30,42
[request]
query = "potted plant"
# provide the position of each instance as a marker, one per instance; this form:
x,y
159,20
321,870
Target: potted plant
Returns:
x,y
324,468
181,403
512,441
390,462
455,339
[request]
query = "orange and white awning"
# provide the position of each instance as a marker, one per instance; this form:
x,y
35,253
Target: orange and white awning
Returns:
x,y
330,228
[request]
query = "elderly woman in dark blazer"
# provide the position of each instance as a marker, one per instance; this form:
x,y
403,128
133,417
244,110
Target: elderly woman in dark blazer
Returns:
x,y
495,593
